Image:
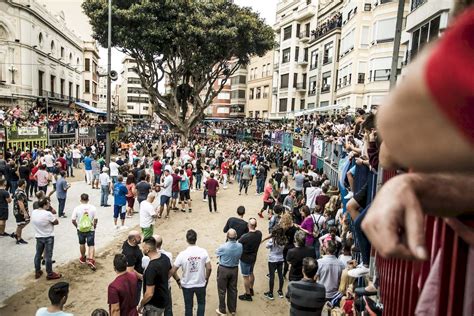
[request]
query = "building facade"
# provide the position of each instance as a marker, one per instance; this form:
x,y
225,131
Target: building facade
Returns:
x,y
238,93
39,56
294,22
91,73
133,98
102,89
259,87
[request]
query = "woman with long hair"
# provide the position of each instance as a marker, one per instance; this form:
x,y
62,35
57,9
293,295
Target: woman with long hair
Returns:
x,y
284,189
131,194
287,224
276,245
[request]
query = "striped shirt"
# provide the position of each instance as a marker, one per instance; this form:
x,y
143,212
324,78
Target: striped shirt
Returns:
x,y
306,298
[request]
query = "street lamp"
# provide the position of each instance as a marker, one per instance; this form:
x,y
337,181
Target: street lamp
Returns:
x,y
108,143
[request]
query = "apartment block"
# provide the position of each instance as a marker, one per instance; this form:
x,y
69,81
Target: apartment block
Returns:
x,y
259,87
90,74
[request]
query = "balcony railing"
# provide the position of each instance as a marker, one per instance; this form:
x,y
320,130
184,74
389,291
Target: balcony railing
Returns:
x,y
304,36
327,27
301,87
417,3
325,88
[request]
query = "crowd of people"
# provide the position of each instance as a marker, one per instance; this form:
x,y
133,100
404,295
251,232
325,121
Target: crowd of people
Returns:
x,y
327,26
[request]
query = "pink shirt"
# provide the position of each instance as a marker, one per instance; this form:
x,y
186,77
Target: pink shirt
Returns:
x,y
267,192
42,177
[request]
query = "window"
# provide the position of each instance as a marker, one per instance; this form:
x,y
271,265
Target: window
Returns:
x,y
384,30
136,90
62,52
70,58
257,114
284,81
40,39
323,103
295,79
305,77
293,102
298,29
287,33
52,83
345,76
266,91
61,87
307,28
269,70
130,107
145,108
314,59
87,86
258,93
380,69
361,72
251,91
283,105
361,77
364,37
347,42
223,110
305,57
87,65
367,7
134,81
239,94
302,104
264,68
312,85
328,53
250,114
434,29
52,48
137,99
381,75
40,82
297,53
77,91
238,80
310,105
286,55
70,89
78,61
326,83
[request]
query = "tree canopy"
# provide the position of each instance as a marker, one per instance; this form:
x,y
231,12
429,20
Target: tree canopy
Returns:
x,y
189,42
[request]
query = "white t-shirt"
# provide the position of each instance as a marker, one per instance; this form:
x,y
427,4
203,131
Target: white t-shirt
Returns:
x,y
311,194
43,311
49,160
76,153
81,209
42,222
167,186
104,179
284,189
114,169
146,259
146,214
193,262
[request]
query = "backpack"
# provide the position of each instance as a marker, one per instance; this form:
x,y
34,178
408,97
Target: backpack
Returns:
x,y
85,223
316,229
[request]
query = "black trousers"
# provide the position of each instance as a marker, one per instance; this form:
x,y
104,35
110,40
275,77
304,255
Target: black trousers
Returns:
x,y
210,199
272,267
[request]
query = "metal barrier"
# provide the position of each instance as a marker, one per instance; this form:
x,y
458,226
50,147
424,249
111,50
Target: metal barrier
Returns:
x,y
62,140
402,281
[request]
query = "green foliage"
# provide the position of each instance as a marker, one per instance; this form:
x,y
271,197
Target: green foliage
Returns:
x,y
193,42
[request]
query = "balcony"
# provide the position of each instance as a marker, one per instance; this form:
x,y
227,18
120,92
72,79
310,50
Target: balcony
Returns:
x,y
301,87
304,36
303,62
326,28
307,12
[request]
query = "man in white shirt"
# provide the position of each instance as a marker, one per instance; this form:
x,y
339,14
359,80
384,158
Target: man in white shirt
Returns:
x,y
85,220
165,197
312,193
43,222
49,161
114,170
76,157
196,266
147,215
105,187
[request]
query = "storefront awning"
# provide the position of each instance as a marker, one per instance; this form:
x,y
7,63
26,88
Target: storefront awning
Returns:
x,y
90,108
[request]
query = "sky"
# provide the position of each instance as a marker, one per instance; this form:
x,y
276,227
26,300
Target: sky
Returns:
x,y
78,21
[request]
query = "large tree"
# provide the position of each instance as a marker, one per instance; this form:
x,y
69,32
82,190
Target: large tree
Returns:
x,y
189,42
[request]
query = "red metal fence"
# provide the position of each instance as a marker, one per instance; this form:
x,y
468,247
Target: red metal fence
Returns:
x,y
402,281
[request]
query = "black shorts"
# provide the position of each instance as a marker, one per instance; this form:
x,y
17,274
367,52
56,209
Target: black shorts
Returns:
x,y
361,196
3,214
268,205
20,219
184,195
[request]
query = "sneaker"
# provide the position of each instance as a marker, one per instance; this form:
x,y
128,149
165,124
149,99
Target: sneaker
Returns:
x,y
260,215
183,210
63,216
5,235
38,274
251,292
204,200
82,260
13,235
218,312
349,195
91,264
280,294
269,295
245,297
190,210
359,271
54,276
21,242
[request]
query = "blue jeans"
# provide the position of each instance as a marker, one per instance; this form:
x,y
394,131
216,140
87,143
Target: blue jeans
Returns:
x,y
61,204
104,195
157,178
13,186
198,181
364,243
44,244
114,179
188,295
260,185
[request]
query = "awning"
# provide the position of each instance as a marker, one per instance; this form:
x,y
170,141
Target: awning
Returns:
x,y
90,108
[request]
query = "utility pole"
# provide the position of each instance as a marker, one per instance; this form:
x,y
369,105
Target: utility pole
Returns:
x,y
108,143
396,43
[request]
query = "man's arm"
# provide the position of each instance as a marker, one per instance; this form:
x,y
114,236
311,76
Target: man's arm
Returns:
x,y
208,271
115,309
150,290
439,145
403,201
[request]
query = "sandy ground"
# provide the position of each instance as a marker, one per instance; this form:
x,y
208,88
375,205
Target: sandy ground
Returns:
x,y
89,289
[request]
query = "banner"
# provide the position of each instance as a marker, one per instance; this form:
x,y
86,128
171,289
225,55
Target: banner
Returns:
x,y
83,131
28,131
318,146
298,150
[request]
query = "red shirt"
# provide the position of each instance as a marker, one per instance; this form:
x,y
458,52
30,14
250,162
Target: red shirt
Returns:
x,y
449,74
157,167
63,163
211,186
267,192
123,290
225,167
176,179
